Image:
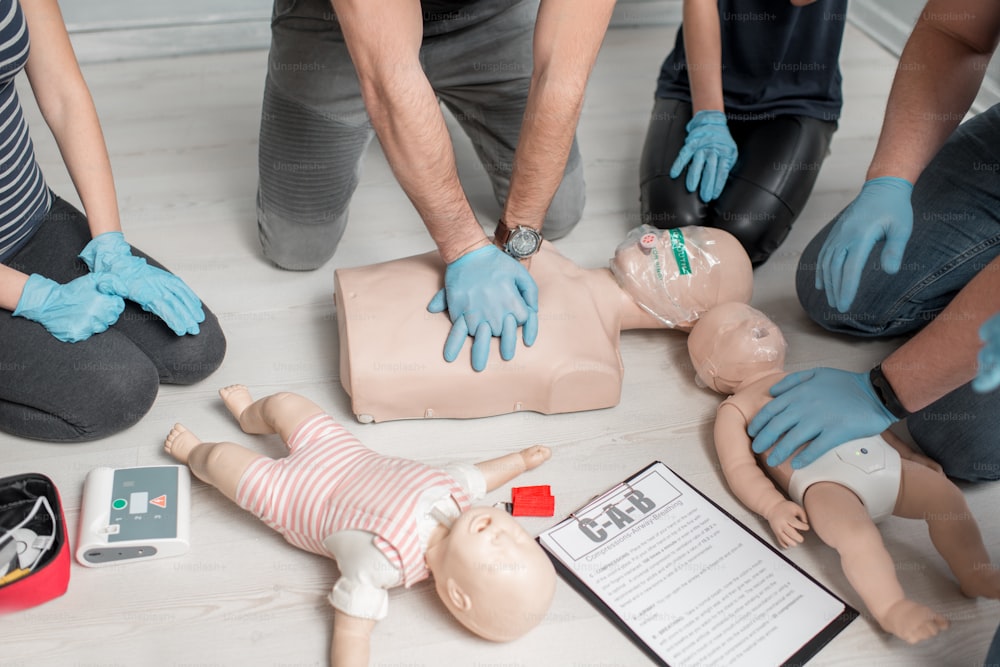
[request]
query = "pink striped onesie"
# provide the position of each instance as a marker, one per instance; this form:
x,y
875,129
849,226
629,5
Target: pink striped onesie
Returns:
x,y
331,482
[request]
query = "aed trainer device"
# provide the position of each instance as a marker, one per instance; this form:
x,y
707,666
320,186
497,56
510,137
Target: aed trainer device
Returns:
x,y
134,514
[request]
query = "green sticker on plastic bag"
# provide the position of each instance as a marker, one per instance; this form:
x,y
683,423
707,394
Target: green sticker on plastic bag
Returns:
x,y
680,252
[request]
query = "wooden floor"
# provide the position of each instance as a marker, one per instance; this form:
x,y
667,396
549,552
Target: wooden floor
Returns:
x,y
182,134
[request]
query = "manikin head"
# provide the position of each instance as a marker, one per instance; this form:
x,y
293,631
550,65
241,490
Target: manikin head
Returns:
x,y
678,274
732,343
492,575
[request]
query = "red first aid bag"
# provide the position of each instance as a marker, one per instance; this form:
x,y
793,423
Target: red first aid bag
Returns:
x,y
34,549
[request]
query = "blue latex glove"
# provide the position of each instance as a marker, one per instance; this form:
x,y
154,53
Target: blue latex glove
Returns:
x,y
711,152
71,312
823,405
880,212
159,292
487,293
988,377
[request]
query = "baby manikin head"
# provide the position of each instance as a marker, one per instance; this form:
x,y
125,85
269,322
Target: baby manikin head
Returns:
x,y
492,575
733,342
678,274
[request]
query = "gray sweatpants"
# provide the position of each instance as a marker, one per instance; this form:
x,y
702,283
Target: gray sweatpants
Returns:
x,y
314,127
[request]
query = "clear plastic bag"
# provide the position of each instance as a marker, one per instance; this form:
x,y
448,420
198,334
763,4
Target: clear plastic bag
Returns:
x,y
678,274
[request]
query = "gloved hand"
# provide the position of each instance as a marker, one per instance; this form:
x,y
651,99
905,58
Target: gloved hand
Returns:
x,y
487,293
71,312
711,152
988,376
881,211
157,291
823,405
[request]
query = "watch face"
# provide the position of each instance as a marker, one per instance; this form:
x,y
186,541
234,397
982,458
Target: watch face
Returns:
x,y
523,242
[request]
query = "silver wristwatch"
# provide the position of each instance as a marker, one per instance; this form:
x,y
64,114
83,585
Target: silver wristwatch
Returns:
x,y
520,242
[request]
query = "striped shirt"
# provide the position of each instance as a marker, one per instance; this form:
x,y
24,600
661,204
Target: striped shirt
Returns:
x,y
330,482
24,196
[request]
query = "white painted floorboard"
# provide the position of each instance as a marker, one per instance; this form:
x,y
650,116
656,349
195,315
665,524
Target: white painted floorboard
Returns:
x,y
182,134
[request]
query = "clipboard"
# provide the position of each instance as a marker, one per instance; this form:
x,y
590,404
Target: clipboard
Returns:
x,y
687,582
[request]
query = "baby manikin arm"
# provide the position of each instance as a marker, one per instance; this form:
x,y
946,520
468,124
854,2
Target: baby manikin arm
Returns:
x,y
745,477
351,643
391,354
748,481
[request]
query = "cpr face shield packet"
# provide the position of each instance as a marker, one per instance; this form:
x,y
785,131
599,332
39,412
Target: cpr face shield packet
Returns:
x,y
678,274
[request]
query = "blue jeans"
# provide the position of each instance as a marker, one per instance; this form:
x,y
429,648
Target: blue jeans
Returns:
x,y
314,127
993,655
956,232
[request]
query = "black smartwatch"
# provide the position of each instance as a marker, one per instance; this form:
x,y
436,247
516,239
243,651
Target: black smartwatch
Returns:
x,y
520,243
885,393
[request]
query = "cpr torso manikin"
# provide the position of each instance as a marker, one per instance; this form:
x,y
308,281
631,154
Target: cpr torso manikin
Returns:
x,y
391,361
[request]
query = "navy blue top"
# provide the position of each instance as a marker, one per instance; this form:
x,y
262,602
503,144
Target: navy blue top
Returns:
x,y
24,197
777,59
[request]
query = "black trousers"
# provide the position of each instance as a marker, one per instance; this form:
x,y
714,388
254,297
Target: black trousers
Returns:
x,y
779,161
73,392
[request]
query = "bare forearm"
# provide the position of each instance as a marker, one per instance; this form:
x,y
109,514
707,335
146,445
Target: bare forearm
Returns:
x,y
542,151
942,357
416,143
65,102
11,285
384,37
566,44
81,144
940,71
703,52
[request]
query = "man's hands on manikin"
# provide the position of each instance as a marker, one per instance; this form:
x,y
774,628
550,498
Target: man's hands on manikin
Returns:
x,y
819,408
487,294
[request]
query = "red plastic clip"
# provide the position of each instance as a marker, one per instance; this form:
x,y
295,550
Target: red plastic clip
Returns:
x,y
532,501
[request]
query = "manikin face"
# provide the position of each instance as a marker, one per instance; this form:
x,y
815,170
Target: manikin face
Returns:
x,y
678,274
493,577
733,342
491,538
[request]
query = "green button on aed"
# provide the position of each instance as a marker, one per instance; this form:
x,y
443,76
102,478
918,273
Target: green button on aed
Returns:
x,y
119,503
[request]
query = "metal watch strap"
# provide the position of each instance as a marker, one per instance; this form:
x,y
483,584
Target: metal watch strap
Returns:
x,y
885,393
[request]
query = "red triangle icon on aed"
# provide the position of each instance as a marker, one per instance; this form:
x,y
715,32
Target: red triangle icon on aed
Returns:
x,y
159,501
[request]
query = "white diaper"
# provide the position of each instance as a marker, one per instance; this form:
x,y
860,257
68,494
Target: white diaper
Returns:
x,y
869,467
